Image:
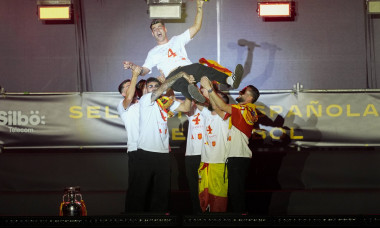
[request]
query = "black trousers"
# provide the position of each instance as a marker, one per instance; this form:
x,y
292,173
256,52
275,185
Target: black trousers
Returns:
x,y
132,187
192,166
237,174
149,188
198,71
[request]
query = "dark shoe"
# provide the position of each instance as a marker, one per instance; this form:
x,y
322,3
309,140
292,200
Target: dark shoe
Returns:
x,y
237,75
195,94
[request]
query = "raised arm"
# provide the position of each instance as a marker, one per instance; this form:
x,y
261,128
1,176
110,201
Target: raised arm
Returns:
x,y
185,106
206,83
218,111
194,29
212,102
130,93
132,66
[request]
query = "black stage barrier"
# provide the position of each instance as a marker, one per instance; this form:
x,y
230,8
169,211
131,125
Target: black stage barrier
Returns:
x,y
217,219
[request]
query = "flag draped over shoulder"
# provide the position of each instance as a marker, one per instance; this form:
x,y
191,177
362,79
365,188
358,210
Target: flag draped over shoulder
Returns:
x,y
244,117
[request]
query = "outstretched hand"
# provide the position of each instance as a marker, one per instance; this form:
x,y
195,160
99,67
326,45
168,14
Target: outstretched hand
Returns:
x,y
128,65
131,65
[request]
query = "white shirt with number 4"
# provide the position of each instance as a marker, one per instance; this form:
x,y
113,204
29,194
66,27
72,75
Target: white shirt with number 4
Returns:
x,y
169,56
214,150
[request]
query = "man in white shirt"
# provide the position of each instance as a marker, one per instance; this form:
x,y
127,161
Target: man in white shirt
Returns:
x,y
213,183
153,147
194,142
170,57
242,116
128,110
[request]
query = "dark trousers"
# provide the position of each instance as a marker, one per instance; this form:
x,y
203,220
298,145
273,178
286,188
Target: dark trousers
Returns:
x,y
237,174
198,71
131,180
192,166
149,188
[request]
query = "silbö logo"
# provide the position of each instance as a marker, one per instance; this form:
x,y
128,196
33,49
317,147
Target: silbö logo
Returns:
x,y
16,119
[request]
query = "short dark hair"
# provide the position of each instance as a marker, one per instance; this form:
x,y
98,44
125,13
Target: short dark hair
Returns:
x,y
254,92
120,88
156,21
140,87
152,79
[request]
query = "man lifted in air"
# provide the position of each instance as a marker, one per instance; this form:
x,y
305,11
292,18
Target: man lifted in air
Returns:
x,y
170,58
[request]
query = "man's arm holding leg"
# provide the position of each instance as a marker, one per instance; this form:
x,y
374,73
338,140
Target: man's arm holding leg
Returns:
x,y
185,106
218,111
206,83
167,84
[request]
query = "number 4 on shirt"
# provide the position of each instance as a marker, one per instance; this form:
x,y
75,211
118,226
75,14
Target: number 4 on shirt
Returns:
x,y
171,53
209,129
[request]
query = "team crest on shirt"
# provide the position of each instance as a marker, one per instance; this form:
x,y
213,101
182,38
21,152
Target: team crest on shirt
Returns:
x,y
249,116
248,112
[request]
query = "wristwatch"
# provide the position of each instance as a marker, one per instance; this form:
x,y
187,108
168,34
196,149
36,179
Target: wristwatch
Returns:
x,y
210,90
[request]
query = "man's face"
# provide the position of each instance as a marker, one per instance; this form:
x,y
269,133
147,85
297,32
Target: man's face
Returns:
x,y
152,86
244,96
159,32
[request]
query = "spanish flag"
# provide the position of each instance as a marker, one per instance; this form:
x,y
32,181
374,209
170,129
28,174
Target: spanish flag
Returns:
x,y
215,65
213,187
